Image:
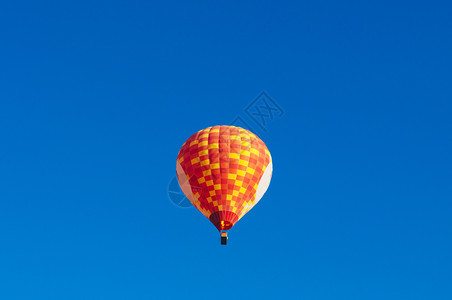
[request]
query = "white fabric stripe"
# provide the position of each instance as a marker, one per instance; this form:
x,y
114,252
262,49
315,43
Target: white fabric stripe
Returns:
x,y
264,182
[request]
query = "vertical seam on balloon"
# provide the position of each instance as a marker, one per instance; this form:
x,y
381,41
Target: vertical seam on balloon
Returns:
x,y
208,206
187,148
239,204
249,160
229,164
201,189
220,202
211,205
219,162
243,182
196,135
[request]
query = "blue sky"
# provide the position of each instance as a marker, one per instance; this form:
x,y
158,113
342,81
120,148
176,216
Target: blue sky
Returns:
x,y
96,98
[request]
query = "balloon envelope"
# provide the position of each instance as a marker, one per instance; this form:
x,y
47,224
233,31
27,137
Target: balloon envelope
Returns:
x,y
224,171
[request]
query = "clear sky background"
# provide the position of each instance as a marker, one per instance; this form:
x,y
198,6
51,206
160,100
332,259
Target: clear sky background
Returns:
x,y
97,97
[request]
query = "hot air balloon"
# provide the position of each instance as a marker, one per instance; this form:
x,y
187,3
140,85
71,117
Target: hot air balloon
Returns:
x,y
224,171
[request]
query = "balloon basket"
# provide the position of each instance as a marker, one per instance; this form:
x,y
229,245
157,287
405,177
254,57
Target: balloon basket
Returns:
x,y
224,238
